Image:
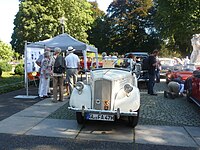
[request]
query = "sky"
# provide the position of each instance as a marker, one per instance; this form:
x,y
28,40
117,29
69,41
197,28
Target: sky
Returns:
x,y
9,8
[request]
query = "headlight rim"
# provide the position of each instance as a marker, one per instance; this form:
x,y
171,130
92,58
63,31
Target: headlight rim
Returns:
x,y
128,88
79,86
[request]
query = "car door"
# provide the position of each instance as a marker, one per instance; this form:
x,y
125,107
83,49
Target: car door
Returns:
x,y
196,88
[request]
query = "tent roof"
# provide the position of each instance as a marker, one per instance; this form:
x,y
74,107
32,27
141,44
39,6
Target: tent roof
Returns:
x,y
63,41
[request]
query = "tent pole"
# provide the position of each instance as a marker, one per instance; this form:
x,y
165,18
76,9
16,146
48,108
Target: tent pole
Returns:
x,y
96,55
85,60
25,68
27,96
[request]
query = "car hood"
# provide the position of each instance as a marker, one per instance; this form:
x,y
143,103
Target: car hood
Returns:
x,y
110,74
184,74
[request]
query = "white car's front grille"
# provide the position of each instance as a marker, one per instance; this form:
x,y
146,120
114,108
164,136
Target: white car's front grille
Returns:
x,y
102,94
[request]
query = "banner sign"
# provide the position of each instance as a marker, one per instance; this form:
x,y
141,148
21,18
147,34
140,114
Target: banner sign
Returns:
x,y
32,55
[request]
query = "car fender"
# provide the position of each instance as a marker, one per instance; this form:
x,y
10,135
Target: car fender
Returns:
x,y
127,102
83,98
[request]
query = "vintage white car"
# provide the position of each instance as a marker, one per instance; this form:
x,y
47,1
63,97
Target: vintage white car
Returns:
x,y
108,93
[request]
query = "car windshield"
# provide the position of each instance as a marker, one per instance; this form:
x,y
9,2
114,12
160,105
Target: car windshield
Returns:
x,y
139,56
167,62
120,63
188,67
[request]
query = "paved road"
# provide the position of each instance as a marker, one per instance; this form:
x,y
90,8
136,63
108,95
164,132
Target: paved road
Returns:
x,y
34,131
9,105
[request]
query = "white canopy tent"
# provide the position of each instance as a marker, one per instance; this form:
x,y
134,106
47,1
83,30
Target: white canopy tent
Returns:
x,y
63,41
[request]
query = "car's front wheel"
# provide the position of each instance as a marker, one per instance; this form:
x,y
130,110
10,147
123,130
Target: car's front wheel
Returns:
x,y
133,120
188,92
79,118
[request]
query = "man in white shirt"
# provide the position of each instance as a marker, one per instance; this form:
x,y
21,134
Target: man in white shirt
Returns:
x,y
72,67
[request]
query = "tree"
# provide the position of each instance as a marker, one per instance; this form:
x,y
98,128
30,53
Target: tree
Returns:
x,y
177,21
6,52
127,23
98,33
39,20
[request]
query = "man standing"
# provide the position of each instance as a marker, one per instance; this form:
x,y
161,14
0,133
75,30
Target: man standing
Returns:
x,y
72,67
58,73
152,72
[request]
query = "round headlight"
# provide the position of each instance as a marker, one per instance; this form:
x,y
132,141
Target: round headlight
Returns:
x,y
128,88
79,86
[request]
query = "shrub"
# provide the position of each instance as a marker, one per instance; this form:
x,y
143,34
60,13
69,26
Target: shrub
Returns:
x,y
0,72
5,66
19,69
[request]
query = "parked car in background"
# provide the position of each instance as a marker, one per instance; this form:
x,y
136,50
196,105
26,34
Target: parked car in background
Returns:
x,y
139,55
166,64
192,87
108,93
180,70
143,73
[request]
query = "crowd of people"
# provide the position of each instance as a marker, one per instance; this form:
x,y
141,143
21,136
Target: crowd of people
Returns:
x,y
153,67
176,87
57,66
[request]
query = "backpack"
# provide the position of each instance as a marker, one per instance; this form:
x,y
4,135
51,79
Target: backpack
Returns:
x,y
59,65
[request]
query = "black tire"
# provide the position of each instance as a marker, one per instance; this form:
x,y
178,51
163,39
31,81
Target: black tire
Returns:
x,y
165,94
133,120
167,81
188,96
79,118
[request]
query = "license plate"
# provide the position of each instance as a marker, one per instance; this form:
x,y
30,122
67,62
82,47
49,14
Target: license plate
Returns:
x,y
100,117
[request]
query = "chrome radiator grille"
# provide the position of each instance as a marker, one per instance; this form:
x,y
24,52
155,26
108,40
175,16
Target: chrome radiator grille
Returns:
x,y
102,94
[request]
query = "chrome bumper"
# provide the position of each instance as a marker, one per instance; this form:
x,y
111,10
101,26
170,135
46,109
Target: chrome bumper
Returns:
x,y
118,113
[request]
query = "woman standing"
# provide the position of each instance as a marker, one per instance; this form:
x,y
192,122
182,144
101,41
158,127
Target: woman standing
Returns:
x,y
46,72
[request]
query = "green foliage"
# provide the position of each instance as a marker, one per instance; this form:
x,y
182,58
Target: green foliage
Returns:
x,y
0,72
19,69
10,82
178,20
39,20
97,35
5,66
96,12
169,53
127,21
6,52
16,56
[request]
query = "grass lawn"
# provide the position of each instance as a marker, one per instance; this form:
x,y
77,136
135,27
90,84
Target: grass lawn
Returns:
x,y
10,82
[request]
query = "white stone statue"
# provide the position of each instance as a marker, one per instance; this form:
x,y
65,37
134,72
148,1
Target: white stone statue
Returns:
x,y
195,55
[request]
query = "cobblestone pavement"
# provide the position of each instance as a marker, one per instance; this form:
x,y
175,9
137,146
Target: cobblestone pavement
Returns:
x,y
155,110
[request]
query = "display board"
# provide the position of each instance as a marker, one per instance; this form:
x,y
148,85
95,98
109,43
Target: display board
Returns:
x,y
32,55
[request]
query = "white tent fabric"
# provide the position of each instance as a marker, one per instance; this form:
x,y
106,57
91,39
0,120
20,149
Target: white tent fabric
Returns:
x,y
64,41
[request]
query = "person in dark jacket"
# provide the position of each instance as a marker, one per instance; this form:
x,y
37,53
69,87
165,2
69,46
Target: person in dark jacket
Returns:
x,y
152,72
58,74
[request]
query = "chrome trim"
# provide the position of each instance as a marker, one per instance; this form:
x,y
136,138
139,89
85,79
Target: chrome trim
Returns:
x,y
103,111
195,101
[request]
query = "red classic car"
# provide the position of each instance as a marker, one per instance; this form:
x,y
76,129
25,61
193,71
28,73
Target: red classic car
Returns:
x,y
192,87
179,70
